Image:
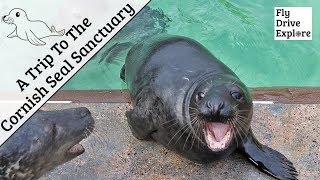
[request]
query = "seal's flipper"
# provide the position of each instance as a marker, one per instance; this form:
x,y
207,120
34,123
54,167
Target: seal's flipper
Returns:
x,y
116,51
62,32
140,127
113,52
141,118
33,39
57,33
268,160
106,53
123,73
13,34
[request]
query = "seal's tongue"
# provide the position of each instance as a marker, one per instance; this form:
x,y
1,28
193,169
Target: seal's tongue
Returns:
x,y
76,150
219,130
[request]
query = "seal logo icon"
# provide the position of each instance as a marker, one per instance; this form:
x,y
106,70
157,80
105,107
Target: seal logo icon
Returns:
x,y
33,31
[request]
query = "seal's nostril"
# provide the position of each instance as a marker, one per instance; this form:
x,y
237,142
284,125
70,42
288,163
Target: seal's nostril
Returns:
x,y
216,109
215,112
4,17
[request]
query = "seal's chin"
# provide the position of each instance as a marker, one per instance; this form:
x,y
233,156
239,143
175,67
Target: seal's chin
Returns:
x,y
218,136
75,150
8,21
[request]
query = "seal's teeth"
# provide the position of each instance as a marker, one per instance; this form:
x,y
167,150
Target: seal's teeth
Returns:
x,y
211,139
217,145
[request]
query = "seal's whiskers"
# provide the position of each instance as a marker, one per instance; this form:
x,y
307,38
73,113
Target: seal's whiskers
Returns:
x,y
183,127
237,130
90,148
175,123
97,139
188,127
198,124
190,132
234,107
241,126
101,134
233,130
193,121
196,134
166,122
234,82
202,124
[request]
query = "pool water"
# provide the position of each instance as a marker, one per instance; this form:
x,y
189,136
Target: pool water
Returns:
x,y
239,33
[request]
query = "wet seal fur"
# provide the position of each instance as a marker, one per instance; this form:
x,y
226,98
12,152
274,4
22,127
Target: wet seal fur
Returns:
x,y
46,140
189,101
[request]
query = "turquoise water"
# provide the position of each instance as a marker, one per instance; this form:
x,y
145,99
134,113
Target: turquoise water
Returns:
x,y
239,33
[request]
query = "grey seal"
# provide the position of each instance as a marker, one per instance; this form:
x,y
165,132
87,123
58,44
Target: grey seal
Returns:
x,y
46,140
189,101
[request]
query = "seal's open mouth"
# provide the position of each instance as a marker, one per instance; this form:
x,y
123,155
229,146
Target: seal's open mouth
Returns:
x,y
75,150
218,135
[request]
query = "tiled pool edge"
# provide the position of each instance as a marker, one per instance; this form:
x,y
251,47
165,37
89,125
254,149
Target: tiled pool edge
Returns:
x,y
285,95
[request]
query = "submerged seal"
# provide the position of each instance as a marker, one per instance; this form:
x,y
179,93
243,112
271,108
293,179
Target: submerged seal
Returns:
x,y
46,140
186,99
27,30
147,23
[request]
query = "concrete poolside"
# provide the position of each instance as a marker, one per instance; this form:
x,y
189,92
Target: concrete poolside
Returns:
x,y
291,129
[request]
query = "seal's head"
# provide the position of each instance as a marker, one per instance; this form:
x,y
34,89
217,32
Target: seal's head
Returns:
x,y
46,140
15,16
221,107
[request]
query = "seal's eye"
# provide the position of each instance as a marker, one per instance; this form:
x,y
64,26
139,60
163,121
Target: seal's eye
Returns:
x,y
236,95
17,14
200,96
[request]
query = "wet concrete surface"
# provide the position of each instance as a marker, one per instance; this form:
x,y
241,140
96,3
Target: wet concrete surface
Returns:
x,y
113,153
